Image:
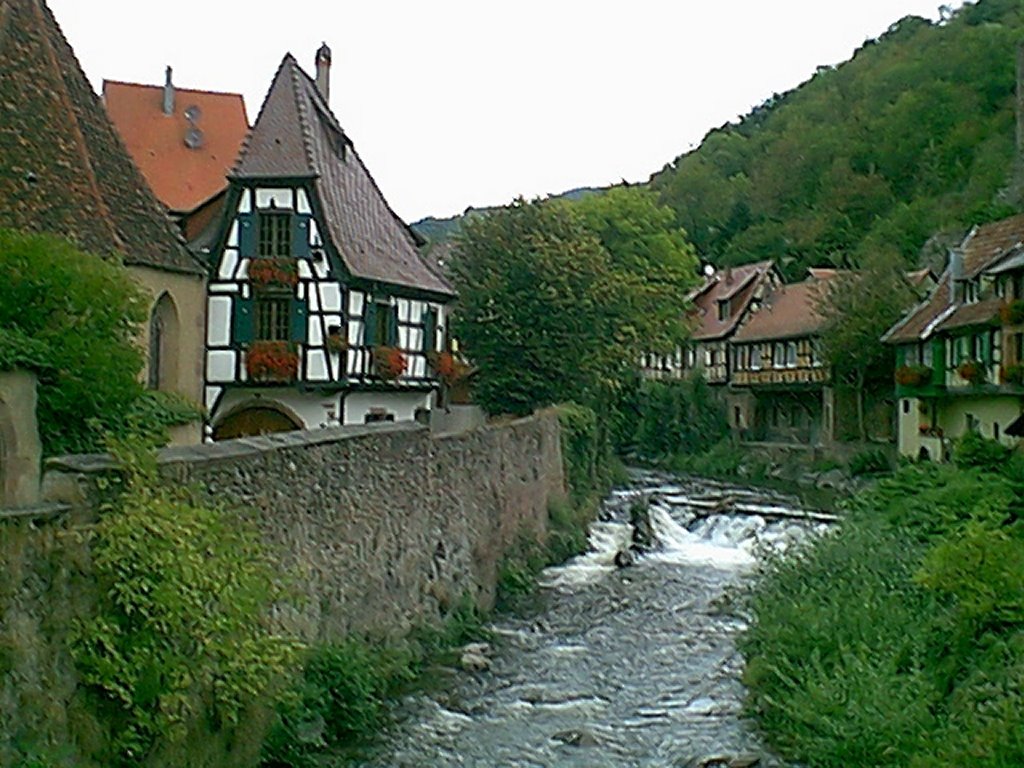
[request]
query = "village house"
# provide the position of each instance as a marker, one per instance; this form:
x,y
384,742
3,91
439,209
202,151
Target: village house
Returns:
x,y
184,141
780,387
64,171
960,352
321,310
717,309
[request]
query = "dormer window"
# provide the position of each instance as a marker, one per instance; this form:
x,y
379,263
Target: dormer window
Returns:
x,y
724,310
972,291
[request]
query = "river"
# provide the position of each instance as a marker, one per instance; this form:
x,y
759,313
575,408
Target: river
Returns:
x,y
618,667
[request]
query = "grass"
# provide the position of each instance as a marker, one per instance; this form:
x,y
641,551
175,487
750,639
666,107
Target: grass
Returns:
x,y
898,639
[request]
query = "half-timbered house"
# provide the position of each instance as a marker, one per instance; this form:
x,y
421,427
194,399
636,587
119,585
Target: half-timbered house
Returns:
x,y
960,353
321,310
64,171
780,385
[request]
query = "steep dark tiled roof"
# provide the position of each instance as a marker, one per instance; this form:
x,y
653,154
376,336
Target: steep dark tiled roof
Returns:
x,y
62,167
296,136
736,285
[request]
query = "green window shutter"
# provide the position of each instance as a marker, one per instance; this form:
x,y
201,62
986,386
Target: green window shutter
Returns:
x,y
300,235
370,324
429,330
242,327
297,321
247,223
393,326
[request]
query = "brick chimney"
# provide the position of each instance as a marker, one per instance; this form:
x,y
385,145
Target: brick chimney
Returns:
x,y
323,72
168,94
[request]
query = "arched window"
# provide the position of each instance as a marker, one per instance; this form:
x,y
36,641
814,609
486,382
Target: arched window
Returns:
x,y
163,345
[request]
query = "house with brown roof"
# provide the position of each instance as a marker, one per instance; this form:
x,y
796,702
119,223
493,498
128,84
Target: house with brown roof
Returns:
x,y
717,309
321,310
780,387
63,170
960,353
185,142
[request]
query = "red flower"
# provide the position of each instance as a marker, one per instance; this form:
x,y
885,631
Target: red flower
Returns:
x,y
449,368
389,362
272,361
274,271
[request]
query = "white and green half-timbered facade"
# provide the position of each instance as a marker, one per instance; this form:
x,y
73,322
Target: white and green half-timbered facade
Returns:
x,y
320,309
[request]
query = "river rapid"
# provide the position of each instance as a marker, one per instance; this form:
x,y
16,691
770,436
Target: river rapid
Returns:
x,y
618,667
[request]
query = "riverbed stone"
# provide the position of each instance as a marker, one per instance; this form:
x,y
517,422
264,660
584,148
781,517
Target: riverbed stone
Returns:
x,y
577,737
474,662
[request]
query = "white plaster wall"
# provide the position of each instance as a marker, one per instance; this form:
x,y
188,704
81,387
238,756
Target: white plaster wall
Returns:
x,y
402,404
990,410
908,426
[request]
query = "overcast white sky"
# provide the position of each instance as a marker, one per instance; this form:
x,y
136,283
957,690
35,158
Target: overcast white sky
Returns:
x,y
456,103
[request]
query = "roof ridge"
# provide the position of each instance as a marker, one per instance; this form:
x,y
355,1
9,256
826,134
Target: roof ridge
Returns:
x,y
302,110
177,89
40,10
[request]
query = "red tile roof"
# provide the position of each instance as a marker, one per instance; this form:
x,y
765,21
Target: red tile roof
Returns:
x,y
983,247
62,167
788,312
737,285
991,241
182,177
296,136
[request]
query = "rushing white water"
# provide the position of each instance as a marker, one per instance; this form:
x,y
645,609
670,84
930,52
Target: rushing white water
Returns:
x,y
632,666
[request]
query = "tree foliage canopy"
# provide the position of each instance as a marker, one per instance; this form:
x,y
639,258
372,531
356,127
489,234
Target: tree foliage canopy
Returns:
x,y
558,299
913,135
73,318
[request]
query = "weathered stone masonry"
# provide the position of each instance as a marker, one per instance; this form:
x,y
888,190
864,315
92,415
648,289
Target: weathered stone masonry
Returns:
x,y
382,526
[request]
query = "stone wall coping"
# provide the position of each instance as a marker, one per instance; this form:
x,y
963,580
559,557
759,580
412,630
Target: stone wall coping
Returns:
x,y
90,463
94,463
35,512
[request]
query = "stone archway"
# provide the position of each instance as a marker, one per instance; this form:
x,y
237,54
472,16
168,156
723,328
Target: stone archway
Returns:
x,y
251,419
164,344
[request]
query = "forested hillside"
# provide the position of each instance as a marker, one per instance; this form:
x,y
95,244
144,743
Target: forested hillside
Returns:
x,y
914,136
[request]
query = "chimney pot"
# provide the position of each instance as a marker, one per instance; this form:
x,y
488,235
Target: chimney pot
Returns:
x,y
168,94
323,72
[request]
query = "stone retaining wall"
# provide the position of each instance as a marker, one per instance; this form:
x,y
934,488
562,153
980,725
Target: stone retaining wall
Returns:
x,y
382,526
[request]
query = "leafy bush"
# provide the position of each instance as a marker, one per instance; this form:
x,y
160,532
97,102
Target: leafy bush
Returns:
x,y
180,634
678,417
73,317
871,461
973,450
341,695
898,640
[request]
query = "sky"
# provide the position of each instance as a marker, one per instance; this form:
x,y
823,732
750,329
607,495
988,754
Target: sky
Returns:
x,y
459,103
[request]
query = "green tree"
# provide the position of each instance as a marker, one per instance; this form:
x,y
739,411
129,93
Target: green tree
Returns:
x,y
74,317
558,300
858,308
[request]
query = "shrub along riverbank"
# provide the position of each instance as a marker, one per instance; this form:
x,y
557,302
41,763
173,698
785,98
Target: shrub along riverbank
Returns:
x,y
898,639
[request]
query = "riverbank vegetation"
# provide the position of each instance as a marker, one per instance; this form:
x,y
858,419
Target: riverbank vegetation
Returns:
x,y
898,639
